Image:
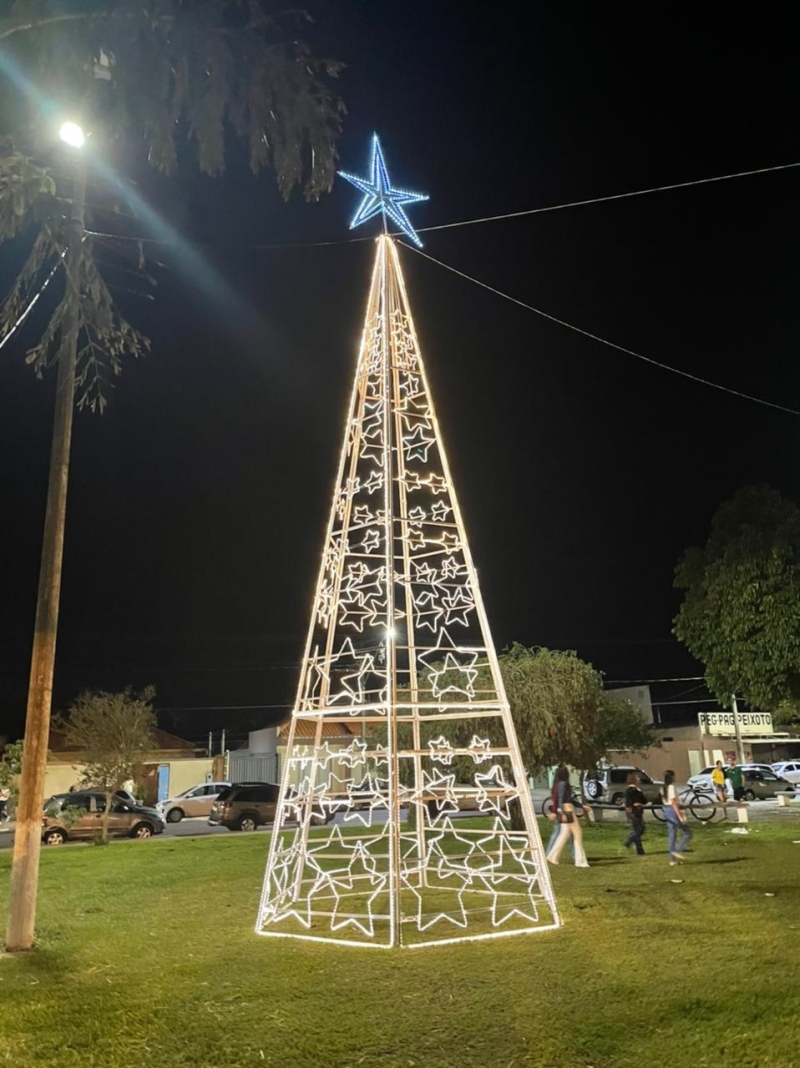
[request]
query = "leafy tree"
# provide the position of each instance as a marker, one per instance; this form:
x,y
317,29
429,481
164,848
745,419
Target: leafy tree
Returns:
x,y
112,731
620,728
165,74
740,615
560,710
555,700
787,712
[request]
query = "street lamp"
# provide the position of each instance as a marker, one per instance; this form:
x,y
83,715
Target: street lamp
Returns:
x,y
72,134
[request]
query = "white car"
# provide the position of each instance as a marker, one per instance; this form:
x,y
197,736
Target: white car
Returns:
x,y
788,769
196,801
703,781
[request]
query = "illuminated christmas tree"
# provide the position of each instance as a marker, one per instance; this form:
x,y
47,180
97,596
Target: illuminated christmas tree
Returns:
x,y
400,659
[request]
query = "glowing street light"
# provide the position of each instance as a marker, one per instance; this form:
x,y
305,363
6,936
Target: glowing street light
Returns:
x,y
72,134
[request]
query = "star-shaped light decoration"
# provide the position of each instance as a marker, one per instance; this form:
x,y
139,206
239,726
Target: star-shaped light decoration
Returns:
x,y
352,610
451,568
371,541
441,750
415,413
436,483
374,482
453,898
409,385
480,749
380,198
494,792
458,605
428,609
352,689
417,444
445,657
365,798
437,794
354,753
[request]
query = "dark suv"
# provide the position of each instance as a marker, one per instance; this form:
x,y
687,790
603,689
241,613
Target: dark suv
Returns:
x,y
247,805
607,785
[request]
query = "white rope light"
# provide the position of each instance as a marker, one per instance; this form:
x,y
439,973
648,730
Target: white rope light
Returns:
x,y
399,659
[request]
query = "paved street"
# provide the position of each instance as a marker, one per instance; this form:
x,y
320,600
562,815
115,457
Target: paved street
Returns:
x,y
758,811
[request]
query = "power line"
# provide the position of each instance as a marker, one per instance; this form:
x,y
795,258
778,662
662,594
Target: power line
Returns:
x,y
643,682
614,196
698,701
219,708
603,340
691,689
227,244
466,222
30,306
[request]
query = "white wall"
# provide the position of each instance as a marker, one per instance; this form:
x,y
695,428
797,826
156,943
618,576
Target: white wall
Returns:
x,y
639,697
183,774
263,741
59,777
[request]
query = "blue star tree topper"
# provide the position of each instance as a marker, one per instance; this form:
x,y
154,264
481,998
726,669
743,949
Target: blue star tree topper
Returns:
x,y
380,198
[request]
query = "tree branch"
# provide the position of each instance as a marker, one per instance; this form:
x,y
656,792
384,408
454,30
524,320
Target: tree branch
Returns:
x,y
75,16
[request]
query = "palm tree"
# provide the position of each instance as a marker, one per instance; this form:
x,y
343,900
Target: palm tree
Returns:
x,y
165,72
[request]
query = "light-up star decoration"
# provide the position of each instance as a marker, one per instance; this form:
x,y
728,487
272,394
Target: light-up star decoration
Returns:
x,y
380,198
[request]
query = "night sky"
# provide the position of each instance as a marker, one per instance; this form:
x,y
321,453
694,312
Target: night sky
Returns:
x,y
198,501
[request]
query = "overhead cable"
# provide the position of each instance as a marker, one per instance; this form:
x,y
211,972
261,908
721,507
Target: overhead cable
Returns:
x,y
613,196
605,341
473,222
29,307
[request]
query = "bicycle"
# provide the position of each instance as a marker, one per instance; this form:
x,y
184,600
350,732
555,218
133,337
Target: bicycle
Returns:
x,y
577,801
696,799
702,803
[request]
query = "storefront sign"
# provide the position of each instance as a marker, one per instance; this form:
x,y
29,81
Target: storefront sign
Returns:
x,y
722,723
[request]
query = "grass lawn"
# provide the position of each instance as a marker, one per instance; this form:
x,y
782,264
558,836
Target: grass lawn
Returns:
x,y
147,957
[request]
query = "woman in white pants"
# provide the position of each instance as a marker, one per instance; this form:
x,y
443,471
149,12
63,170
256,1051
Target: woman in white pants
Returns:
x,y
568,819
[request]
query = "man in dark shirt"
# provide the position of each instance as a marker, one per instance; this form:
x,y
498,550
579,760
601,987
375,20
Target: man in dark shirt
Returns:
x,y
634,808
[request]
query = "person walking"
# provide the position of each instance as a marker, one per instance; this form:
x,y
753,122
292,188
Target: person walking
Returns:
x,y
552,815
569,824
675,819
718,782
634,809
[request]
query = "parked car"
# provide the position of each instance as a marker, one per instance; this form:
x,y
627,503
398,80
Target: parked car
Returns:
x,y
788,769
702,779
466,802
196,801
763,784
123,795
607,785
246,806
125,820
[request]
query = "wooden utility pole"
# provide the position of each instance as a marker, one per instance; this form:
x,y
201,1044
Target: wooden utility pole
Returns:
x,y
28,834
737,731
